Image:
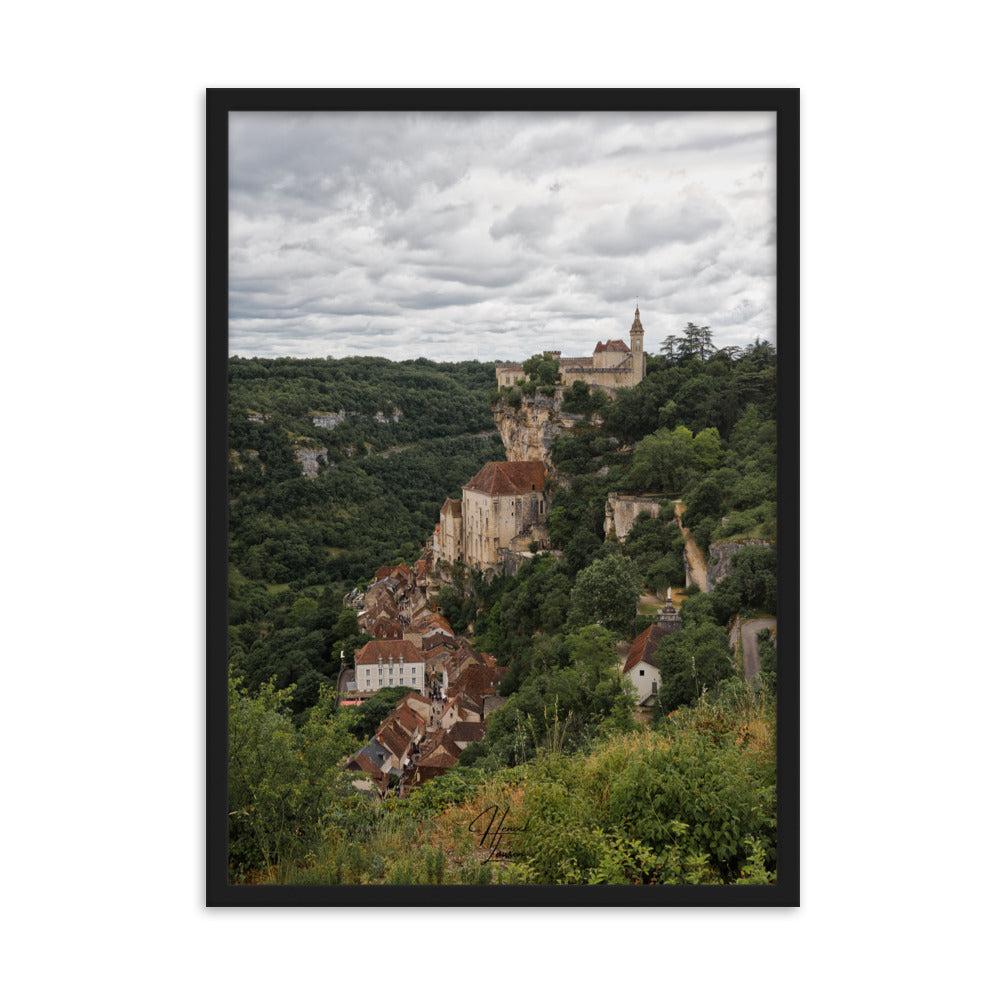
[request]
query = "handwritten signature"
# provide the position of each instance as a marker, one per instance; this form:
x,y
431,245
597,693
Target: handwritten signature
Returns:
x,y
495,831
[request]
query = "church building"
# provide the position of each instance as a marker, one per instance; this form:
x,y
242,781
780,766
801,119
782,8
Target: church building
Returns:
x,y
501,512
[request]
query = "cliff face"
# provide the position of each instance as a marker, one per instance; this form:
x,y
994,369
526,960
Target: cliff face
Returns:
x,y
528,431
720,558
308,458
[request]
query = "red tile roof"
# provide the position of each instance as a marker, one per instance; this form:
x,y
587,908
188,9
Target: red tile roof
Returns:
x,y
385,628
505,478
452,508
392,735
474,680
396,648
467,732
645,646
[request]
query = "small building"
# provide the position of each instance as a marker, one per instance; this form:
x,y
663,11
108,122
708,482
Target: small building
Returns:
x,y
638,667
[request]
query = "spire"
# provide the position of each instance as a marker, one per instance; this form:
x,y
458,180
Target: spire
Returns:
x,y
636,325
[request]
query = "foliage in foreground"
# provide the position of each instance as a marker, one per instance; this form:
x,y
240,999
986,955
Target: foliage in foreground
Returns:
x,y
689,802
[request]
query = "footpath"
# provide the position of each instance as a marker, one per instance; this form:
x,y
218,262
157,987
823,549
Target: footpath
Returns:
x,y
695,558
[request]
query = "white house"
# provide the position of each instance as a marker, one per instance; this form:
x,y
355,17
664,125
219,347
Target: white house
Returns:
x,y
639,667
389,663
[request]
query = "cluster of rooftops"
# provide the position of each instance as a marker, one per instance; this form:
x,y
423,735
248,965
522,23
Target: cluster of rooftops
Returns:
x,y
455,687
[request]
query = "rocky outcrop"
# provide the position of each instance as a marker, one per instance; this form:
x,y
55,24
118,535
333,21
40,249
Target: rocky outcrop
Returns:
x,y
309,458
528,431
621,510
329,420
720,557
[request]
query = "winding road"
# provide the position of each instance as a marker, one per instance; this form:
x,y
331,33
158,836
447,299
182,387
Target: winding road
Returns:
x,y
748,636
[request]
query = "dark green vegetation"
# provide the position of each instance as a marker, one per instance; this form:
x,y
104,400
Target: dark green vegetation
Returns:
x,y
298,544
370,503
699,431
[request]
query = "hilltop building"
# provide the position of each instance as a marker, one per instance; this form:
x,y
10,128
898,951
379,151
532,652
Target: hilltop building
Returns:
x,y
502,511
612,365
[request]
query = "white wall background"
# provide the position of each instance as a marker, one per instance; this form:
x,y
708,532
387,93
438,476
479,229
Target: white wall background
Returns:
x,y
102,227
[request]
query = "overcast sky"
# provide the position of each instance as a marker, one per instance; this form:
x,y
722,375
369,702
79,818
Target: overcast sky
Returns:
x,y
493,236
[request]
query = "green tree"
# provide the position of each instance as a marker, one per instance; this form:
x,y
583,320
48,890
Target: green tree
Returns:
x,y
691,661
281,781
542,369
664,461
707,449
577,398
697,342
606,593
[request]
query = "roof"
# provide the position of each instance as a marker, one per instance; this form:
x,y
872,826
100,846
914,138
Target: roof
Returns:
x,y
644,646
396,648
504,478
362,762
452,508
467,732
394,736
375,752
431,619
386,628
474,680
386,571
611,345
413,696
406,717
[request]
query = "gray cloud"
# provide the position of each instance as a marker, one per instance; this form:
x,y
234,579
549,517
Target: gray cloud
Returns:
x,y
481,235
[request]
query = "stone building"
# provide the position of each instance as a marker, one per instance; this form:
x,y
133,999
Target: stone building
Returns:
x,y
502,511
612,365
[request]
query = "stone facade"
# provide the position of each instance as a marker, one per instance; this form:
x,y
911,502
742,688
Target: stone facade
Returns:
x,y
621,510
451,531
612,364
503,501
501,512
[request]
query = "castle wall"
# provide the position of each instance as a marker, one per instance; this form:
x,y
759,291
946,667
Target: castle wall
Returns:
x,y
621,510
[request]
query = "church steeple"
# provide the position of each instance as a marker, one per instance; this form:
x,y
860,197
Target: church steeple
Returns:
x,y
638,357
636,325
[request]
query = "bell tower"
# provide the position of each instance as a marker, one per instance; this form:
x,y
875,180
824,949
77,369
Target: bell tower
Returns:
x,y
638,357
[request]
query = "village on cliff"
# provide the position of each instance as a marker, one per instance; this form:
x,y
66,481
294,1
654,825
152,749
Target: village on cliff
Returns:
x,y
498,522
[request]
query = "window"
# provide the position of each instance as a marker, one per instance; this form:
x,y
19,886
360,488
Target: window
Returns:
x,y
642,673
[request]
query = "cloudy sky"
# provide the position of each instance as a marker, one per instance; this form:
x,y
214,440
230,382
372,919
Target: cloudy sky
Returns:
x,y
493,236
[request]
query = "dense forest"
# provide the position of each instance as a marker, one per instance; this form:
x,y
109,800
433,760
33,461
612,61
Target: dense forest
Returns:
x,y
567,749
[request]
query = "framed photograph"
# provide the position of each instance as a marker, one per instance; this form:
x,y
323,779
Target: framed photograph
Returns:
x,y
502,478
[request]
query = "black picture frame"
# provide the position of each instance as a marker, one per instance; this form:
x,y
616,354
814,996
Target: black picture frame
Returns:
x,y
219,104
